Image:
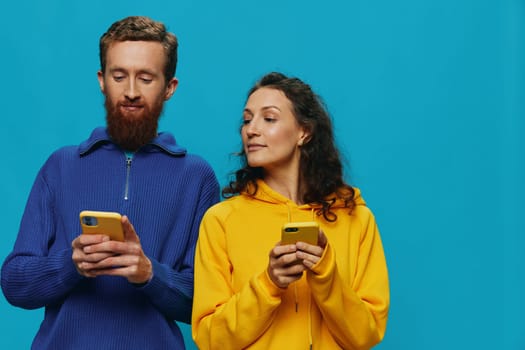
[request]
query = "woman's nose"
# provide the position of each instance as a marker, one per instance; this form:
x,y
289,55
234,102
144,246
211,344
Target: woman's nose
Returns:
x,y
252,128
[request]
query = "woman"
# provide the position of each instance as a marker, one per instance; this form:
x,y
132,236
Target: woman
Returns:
x,y
251,292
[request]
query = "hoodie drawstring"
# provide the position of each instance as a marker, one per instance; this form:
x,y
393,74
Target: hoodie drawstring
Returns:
x,y
309,310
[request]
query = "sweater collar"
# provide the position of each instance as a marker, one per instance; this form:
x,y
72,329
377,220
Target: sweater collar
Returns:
x,y
164,141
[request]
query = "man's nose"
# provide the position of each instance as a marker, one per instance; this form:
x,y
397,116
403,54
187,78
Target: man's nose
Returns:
x,y
132,91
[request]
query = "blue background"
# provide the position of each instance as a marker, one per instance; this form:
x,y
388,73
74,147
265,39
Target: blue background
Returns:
x,y
428,103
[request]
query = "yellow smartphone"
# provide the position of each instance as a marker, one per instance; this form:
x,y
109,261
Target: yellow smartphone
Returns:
x,y
102,222
307,231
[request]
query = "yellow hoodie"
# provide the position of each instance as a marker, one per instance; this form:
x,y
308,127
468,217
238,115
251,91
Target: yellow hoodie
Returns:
x,y
342,304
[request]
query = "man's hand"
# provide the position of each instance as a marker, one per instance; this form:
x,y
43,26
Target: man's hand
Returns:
x,y
83,261
96,255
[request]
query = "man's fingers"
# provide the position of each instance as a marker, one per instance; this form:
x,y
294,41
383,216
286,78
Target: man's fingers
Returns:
x,y
129,231
88,239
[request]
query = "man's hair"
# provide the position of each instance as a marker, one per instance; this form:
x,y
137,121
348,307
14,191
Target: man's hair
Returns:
x,y
140,28
320,166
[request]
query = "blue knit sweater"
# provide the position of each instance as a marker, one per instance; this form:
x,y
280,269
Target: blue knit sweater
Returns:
x,y
164,192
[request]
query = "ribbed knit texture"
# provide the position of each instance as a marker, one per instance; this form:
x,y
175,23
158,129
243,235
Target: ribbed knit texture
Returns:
x,y
168,193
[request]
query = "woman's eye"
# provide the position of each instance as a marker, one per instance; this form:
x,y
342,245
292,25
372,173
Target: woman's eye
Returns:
x,y
246,121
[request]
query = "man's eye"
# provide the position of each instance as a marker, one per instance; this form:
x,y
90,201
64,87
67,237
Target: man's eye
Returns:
x,y
146,80
118,77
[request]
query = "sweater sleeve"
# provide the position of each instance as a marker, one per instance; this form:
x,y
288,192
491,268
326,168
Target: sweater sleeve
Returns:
x,y
33,275
221,318
355,315
171,289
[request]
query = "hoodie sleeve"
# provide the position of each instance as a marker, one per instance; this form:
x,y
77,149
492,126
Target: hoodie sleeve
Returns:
x,y
355,314
32,275
221,318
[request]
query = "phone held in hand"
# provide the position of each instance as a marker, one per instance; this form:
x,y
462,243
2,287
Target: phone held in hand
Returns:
x,y
307,231
102,222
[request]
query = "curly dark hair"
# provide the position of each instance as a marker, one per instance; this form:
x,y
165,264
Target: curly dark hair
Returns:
x,y
320,164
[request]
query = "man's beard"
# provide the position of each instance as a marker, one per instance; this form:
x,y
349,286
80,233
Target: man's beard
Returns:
x,y
132,131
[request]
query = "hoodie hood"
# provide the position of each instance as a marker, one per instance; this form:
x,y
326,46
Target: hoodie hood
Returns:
x,y
266,194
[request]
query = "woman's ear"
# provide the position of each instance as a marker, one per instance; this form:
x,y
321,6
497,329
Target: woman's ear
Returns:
x,y
304,138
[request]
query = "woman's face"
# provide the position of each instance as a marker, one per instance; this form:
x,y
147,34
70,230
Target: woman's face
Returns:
x,y
270,134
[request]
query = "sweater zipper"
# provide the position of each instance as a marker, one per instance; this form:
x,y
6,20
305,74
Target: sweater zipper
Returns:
x,y
128,169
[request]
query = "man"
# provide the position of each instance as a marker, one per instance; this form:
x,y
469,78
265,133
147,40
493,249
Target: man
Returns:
x,y
105,294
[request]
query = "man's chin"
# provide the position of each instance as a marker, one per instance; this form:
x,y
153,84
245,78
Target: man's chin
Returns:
x,y
131,127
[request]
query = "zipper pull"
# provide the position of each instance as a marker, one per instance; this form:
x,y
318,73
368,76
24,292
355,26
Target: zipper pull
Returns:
x,y
128,168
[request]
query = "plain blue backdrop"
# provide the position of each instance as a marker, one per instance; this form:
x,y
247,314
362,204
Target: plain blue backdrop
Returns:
x,y
427,99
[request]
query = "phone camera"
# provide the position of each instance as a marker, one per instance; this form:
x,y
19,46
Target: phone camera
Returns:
x,y
291,229
89,221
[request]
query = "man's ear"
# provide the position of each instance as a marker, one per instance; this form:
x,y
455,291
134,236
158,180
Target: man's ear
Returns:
x,y
100,77
170,88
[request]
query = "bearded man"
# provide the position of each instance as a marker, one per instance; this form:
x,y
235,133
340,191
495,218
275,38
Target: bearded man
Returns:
x,y
100,293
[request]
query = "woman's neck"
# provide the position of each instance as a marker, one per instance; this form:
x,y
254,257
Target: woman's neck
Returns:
x,y
285,185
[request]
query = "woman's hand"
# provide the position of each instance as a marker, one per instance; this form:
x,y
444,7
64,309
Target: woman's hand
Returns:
x,y
284,266
288,262
311,254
